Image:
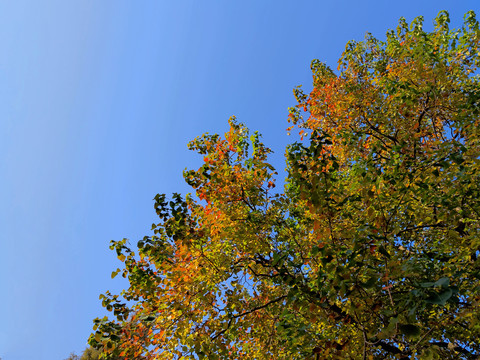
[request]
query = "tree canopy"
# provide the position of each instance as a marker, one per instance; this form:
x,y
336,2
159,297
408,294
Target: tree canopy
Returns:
x,y
371,251
88,354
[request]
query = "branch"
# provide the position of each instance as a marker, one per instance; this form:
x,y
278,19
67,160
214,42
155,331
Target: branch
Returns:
x,y
459,349
377,130
421,227
246,313
259,307
245,200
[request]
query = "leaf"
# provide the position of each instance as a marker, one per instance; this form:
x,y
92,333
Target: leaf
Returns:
x,y
427,284
443,282
115,273
440,298
370,283
409,330
383,251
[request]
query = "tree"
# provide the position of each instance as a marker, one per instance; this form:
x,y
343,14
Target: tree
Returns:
x,y
88,354
371,252
73,356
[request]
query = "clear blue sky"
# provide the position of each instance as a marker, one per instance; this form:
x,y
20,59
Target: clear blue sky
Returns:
x,y
98,100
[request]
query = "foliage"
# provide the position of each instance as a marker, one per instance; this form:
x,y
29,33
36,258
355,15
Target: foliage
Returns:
x,y
73,356
88,354
371,252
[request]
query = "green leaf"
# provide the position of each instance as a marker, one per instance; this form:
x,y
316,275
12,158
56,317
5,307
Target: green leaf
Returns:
x,y
389,330
383,251
440,298
370,282
409,330
443,282
427,284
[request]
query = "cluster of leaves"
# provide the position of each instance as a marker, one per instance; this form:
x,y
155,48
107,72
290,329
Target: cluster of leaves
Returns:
x,y
88,354
371,252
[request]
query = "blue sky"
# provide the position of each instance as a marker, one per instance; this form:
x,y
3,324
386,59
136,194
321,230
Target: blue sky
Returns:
x,y
98,100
